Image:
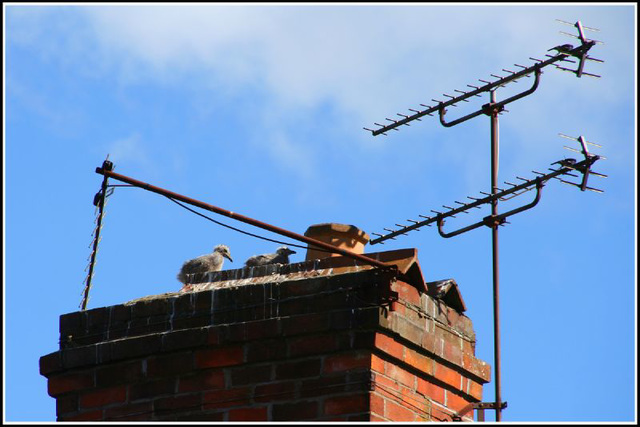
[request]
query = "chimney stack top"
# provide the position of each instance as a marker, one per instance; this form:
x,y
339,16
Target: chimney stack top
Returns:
x,y
342,236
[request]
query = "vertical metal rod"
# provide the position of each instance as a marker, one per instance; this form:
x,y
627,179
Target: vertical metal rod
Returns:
x,y
494,235
103,195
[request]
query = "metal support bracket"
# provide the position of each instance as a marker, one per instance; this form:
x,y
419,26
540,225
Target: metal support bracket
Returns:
x,y
494,220
480,408
490,108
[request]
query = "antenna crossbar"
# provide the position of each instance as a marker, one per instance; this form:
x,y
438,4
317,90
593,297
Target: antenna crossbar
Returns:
x,y
579,52
566,168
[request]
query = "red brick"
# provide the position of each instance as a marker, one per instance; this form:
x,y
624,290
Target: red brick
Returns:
x,y
64,383
314,344
249,414
468,347
364,416
119,373
170,364
419,361
467,361
439,413
50,363
132,412
209,379
177,404
376,404
214,335
477,367
389,345
270,350
298,289
430,342
226,398
397,412
212,358
408,330
298,369
275,391
253,330
72,323
66,404
414,401
430,390
203,416
95,415
103,397
250,375
377,364
136,347
398,307
407,292
400,375
324,386
151,389
347,362
474,389
307,323
374,417
383,384
298,411
452,349
349,404
186,338
455,402
448,376
80,356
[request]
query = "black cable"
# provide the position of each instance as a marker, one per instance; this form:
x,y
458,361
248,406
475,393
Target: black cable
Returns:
x,y
233,228
245,232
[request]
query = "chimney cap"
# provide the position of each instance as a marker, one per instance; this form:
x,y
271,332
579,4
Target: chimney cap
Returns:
x,y
448,292
332,227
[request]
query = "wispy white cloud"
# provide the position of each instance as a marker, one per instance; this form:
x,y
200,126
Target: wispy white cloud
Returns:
x,y
130,150
367,62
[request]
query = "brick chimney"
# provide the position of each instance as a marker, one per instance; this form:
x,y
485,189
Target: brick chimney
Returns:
x,y
321,340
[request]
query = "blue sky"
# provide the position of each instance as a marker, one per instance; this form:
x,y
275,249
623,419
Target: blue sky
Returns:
x,y
260,110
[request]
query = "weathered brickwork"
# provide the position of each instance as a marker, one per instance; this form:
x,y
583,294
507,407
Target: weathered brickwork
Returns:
x,y
354,344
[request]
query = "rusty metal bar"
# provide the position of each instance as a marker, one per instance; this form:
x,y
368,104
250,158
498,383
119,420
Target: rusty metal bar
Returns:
x,y
242,218
479,407
495,110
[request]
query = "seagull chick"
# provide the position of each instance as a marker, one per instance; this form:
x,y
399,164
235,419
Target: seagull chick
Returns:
x,y
205,263
280,257
563,48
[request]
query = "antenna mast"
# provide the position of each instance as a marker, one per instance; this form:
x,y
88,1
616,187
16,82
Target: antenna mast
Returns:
x,y
565,53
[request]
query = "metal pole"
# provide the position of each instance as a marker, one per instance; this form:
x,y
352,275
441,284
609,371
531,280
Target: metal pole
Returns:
x,y
107,165
494,235
245,219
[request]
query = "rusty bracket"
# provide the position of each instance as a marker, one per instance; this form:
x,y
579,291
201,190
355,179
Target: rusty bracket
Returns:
x,y
493,221
480,407
492,108
108,173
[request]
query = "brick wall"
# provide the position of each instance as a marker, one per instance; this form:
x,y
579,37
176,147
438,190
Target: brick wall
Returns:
x,y
325,342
